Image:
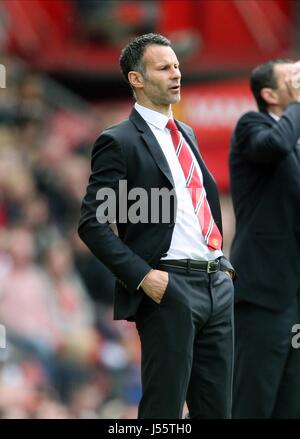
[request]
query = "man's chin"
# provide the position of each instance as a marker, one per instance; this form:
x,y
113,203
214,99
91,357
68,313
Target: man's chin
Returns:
x,y
175,99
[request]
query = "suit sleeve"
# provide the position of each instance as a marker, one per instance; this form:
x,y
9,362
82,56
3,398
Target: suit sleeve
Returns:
x,y
108,168
260,142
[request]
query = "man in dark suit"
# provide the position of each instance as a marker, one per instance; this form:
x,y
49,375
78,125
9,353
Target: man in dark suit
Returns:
x,y
265,187
172,277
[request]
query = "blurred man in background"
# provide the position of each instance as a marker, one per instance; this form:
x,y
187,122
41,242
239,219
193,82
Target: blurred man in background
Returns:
x,y
172,279
265,187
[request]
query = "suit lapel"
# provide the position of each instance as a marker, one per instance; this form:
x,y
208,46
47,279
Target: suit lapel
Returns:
x,y
152,144
159,157
157,153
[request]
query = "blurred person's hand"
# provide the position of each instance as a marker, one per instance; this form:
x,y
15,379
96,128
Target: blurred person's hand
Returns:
x,y
293,81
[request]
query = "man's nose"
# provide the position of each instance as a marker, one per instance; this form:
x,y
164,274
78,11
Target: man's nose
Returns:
x,y
176,73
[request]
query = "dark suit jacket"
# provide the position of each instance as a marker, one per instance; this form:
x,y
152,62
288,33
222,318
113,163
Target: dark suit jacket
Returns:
x,y
265,188
130,151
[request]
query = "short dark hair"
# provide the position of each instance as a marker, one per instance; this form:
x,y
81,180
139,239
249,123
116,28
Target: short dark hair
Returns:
x,y
263,76
132,55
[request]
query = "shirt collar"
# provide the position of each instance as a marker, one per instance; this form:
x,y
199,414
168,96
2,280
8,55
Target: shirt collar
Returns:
x,y
274,116
152,117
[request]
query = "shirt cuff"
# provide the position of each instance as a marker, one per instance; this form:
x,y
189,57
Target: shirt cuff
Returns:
x,y
143,279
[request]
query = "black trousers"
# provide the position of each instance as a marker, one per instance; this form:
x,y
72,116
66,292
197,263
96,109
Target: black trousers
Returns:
x,y
187,347
267,366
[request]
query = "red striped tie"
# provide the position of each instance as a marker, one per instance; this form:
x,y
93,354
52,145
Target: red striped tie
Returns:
x,y
210,231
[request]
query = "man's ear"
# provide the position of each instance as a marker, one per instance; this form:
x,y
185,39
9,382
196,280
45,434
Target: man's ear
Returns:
x,y
269,95
136,79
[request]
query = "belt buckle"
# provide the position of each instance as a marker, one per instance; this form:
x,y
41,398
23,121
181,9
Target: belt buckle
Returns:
x,y
212,266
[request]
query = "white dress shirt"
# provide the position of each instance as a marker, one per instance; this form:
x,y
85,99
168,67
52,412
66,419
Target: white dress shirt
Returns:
x,y
277,118
187,239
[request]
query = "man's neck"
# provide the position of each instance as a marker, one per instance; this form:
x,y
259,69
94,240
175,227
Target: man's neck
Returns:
x,y
278,111
166,110
274,116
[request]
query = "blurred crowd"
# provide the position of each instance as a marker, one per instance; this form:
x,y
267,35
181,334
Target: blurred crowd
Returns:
x,y
64,355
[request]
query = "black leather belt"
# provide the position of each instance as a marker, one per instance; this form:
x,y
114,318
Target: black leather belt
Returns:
x,y
191,264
